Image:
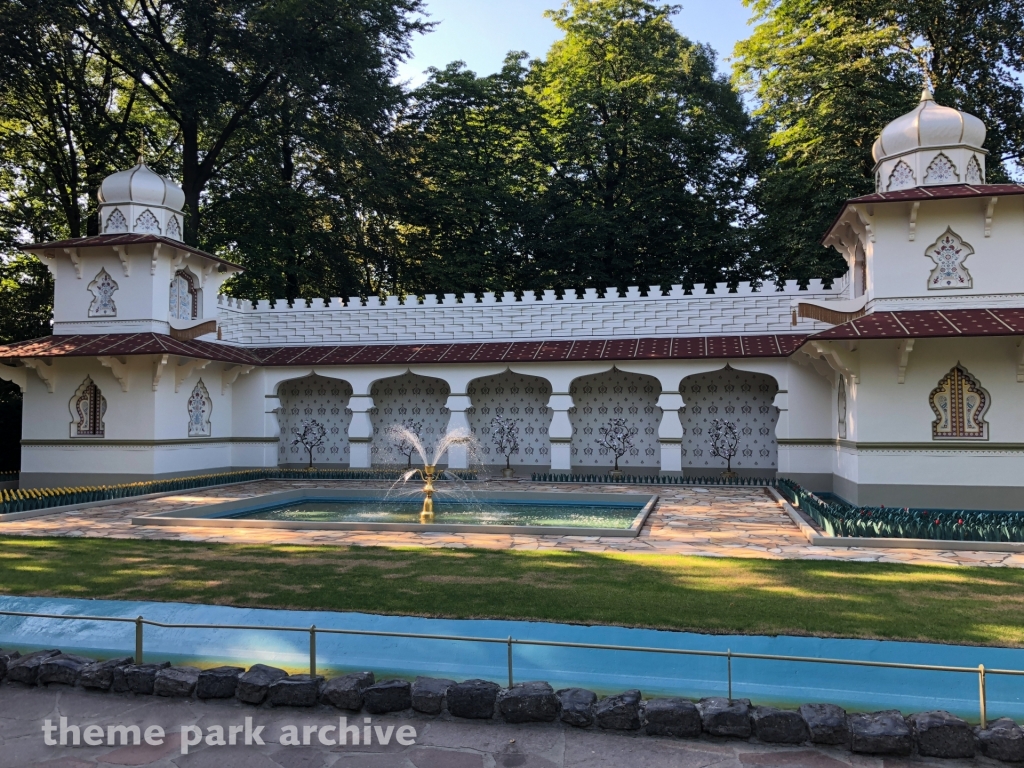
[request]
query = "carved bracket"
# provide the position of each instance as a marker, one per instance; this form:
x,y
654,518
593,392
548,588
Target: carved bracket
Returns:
x,y
77,262
18,375
44,370
119,367
230,374
158,370
905,348
156,257
839,359
122,254
990,209
913,219
183,370
865,219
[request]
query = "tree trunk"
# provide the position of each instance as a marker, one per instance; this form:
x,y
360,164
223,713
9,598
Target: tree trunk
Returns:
x,y
191,184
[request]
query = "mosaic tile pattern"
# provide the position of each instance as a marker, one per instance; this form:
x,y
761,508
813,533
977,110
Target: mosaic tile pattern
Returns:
x,y
513,396
606,396
407,397
315,397
740,397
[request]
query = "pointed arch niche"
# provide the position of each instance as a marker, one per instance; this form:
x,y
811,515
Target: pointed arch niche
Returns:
x,y
88,407
200,406
959,404
185,296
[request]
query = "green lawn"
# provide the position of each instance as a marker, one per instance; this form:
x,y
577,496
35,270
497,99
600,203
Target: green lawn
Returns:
x,y
954,605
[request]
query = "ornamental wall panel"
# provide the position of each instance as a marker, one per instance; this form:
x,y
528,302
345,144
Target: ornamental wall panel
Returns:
x,y
513,396
407,397
315,397
737,396
605,396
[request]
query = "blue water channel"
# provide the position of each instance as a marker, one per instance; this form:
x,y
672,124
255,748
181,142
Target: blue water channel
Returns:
x,y
766,682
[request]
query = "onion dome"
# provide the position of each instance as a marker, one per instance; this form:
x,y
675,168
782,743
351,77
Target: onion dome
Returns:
x,y
141,201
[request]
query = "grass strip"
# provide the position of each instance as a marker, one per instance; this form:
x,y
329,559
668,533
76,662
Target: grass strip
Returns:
x,y
719,595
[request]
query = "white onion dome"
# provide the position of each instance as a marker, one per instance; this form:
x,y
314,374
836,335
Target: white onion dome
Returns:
x,y
929,125
141,186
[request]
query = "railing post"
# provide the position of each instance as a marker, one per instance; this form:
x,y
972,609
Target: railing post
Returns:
x,y
312,650
510,661
981,695
138,640
728,657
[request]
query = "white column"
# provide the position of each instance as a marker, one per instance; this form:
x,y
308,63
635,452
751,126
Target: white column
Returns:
x,y
458,456
560,431
272,428
360,432
670,432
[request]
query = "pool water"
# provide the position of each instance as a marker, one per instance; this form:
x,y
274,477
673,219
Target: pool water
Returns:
x,y
449,512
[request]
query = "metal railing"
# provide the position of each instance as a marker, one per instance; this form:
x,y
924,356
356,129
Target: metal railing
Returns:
x,y
510,641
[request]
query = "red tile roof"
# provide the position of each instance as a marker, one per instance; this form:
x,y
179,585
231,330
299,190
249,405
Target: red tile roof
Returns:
x,y
405,354
945,192
930,324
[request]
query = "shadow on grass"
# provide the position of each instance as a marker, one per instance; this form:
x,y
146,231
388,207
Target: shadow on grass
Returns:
x,y
718,595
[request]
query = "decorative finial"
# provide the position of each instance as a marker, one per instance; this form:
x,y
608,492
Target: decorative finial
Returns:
x,y
926,94
142,148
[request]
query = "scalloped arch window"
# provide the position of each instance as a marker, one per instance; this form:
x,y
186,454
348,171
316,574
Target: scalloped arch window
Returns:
x,y
200,406
959,404
88,407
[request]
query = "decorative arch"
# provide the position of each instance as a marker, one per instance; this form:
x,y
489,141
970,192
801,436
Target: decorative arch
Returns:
x,y
200,407
147,223
743,397
174,228
116,223
320,398
902,177
408,396
949,253
102,289
941,171
974,174
512,396
184,298
960,404
88,407
841,409
598,398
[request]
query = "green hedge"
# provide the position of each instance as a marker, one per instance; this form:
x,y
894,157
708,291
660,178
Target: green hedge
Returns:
x,y
28,499
837,518
552,477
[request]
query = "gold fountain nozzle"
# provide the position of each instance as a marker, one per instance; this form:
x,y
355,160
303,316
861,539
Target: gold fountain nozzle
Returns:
x,y
427,513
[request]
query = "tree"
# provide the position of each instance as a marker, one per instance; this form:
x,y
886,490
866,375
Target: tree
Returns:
x,y
404,445
723,439
505,434
828,76
617,437
309,434
649,158
209,65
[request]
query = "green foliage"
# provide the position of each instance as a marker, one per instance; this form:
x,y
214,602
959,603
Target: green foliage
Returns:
x,y
827,77
837,518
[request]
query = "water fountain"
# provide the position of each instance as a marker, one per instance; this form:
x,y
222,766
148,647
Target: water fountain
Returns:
x,y
428,472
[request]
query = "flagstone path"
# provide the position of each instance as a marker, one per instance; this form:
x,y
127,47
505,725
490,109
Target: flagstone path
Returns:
x,y
714,521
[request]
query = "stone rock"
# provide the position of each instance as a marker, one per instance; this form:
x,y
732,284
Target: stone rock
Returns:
x,y
387,696
778,726
826,723
346,692
294,691
140,678
531,702
577,706
620,712
725,717
25,669
1002,740
473,699
254,685
100,674
176,682
940,734
6,657
672,717
880,733
428,694
63,669
218,683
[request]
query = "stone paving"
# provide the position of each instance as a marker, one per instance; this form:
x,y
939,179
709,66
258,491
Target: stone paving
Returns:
x,y
715,521
439,743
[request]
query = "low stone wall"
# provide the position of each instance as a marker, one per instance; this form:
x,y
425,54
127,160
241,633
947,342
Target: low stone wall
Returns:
x,y
930,734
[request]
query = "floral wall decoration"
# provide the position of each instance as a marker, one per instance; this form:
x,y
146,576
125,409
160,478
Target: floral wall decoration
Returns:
x,y
949,253
320,398
514,396
407,397
200,407
102,289
959,404
606,396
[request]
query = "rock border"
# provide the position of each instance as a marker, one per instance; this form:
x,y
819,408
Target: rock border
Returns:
x,y
931,734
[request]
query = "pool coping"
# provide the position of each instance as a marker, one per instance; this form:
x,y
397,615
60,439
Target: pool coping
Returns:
x,y
215,515
818,538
